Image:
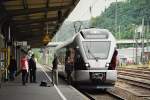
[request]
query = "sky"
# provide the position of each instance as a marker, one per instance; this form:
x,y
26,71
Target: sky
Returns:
x,y
82,10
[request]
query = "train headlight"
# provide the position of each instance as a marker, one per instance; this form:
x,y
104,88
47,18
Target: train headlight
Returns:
x,y
107,64
87,65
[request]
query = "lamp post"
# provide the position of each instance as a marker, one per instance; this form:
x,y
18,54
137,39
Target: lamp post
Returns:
x,y
136,46
141,31
135,37
142,36
116,13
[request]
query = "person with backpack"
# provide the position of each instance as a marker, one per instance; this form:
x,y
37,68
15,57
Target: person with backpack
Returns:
x,y
24,68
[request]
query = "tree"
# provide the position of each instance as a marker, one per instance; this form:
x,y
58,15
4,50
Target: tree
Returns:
x,y
128,13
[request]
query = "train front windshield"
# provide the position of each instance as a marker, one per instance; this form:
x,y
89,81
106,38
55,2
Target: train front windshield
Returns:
x,y
96,49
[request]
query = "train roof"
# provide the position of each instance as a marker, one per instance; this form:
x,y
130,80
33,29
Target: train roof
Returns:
x,y
95,33
96,29
84,32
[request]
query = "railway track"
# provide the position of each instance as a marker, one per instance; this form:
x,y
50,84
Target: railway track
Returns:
x,y
142,84
137,70
101,95
137,77
139,84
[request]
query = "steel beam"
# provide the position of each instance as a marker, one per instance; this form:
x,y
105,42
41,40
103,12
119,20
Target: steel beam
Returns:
x,y
35,20
19,12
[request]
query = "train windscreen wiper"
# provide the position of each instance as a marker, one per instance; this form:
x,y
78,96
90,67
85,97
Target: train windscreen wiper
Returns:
x,y
96,58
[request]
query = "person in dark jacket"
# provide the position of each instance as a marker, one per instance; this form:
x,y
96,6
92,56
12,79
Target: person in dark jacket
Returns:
x,y
69,69
12,68
54,70
32,68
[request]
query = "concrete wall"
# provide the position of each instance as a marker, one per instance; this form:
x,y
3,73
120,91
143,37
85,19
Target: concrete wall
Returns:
x,y
1,41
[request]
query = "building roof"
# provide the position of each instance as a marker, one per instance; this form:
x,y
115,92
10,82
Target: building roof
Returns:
x,y
28,19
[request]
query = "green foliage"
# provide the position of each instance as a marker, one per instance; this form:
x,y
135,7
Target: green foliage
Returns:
x,y
129,14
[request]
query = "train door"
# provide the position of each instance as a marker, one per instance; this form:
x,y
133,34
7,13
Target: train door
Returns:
x,y
113,61
79,62
70,54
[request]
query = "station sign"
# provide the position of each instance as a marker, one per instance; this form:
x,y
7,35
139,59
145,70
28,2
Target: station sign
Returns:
x,y
20,43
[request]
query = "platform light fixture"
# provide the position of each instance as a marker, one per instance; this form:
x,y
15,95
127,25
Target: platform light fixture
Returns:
x,y
46,38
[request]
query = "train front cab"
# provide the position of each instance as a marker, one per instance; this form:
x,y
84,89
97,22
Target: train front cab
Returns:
x,y
98,54
96,77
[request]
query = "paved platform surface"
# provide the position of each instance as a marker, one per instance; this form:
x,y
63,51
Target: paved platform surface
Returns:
x,y
14,90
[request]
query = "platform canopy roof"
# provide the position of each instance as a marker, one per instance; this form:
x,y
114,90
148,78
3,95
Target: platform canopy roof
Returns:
x,y
28,19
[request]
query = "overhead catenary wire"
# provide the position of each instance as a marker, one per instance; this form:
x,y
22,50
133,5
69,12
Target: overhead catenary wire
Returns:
x,y
88,9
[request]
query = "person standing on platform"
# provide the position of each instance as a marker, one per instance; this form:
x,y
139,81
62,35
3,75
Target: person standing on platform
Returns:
x,y
54,70
69,63
32,68
24,68
12,68
69,69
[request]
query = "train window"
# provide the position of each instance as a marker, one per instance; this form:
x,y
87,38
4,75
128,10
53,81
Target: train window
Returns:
x,y
97,36
70,53
96,49
61,55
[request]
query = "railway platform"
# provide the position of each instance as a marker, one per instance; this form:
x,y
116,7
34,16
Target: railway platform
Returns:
x,y
14,90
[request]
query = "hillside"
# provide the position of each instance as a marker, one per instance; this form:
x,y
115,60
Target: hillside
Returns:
x,y
67,30
129,16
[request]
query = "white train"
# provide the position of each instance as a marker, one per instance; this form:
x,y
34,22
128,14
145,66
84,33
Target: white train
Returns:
x,y
93,52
